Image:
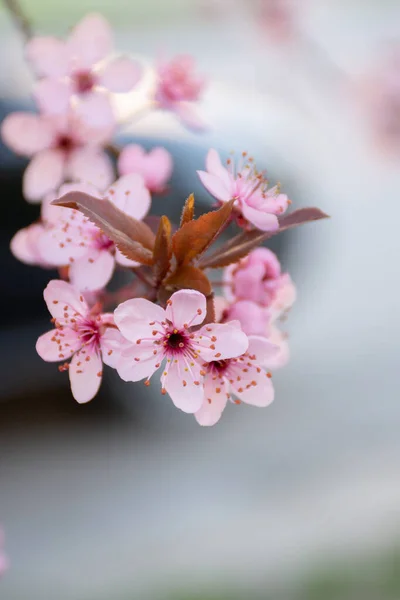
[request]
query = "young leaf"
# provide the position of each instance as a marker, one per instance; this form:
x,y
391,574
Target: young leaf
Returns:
x,y
188,210
243,243
162,250
132,237
194,237
188,277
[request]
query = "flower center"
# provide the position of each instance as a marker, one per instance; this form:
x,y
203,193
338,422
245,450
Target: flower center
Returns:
x,y
219,365
102,242
89,332
65,143
84,81
176,342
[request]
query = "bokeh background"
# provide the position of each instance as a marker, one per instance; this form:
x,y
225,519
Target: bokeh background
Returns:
x,y
128,498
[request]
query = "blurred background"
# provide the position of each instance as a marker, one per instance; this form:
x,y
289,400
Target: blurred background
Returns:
x,y
126,497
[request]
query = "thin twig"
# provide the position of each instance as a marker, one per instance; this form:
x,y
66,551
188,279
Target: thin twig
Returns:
x,y
21,21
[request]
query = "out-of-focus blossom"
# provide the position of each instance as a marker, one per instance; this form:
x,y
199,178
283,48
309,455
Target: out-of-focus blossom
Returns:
x,y
255,202
244,377
254,319
4,564
278,19
170,337
72,239
87,338
79,67
179,88
155,166
61,148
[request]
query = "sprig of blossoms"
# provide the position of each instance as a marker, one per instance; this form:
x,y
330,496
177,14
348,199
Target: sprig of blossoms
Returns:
x,y
209,350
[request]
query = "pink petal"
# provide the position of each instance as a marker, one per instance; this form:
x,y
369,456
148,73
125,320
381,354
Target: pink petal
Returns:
x,y
85,378
253,318
261,394
134,318
112,345
27,134
121,75
24,245
82,186
92,166
51,345
215,167
282,356
52,96
214,402
91,40
180,385
92,271
130,195
49,56
44,174
263,349
59,247
123,261
62,298
284,299
189,116
218,341
215,186
156,166
95,110
261,220
131,159
186,307
137,363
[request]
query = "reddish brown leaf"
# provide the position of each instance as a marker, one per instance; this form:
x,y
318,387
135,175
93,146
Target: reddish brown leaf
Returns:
x,y
188,277
244,242
188,210
193,238
162,250
134,238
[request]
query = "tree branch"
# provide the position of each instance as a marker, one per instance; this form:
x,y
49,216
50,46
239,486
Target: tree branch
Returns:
x,y
21,21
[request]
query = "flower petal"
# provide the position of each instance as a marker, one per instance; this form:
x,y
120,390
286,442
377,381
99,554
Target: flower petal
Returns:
x,y
90,40
121,75
44,174
254,386
92,166
95,111
186,307
215,186
49,56
185,387
215,167
155,167
85,375
26,133
282,356
214,401
262,220
253,318
92,271
24,245
112,345
51,345
130,195
136,317
62,298
52,96
137,363
189,116
123,261
218,341
262,349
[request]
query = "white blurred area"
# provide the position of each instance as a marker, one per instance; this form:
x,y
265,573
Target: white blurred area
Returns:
x,y
265,494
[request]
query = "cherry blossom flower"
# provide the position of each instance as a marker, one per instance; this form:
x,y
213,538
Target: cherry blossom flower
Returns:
x,y
254,319
155,166
72,239
178,88
243,377
61,148
255,202
79,67
257,278
87,338
4,564
171,337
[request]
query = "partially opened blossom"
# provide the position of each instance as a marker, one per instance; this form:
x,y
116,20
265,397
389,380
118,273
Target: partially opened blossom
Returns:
x,y
154,166
81,66
255,202
179,88
72,239
81,336
4,564
244,378
61,148
170,339
254,318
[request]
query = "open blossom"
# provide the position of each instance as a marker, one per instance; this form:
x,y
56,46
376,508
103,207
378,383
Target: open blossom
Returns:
x,y
154,166
255,202
179,88
79,67
170,338
61,148
244,378
87,338
72,239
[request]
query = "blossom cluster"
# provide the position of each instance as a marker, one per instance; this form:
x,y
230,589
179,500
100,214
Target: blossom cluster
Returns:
x,y
209,349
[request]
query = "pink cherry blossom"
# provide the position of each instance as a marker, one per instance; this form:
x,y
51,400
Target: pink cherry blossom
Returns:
x,y
171,337
254,319
155,166
179,88
81,66
87,338
72,239
255,202
61,148
4,564
257,278
243,377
